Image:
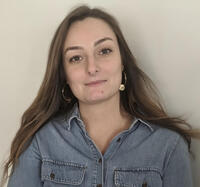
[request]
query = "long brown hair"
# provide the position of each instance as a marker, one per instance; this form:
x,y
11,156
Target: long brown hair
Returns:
x,y
140,98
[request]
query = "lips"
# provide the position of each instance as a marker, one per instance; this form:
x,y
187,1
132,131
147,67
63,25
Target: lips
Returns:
x,y
95,82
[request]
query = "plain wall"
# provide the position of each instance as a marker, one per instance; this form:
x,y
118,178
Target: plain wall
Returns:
x,y
163,35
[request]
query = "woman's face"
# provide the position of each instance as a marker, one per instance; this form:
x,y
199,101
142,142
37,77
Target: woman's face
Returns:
x,y
91,53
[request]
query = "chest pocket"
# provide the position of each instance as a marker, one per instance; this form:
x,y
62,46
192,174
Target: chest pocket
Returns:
x,y
137,177
58,173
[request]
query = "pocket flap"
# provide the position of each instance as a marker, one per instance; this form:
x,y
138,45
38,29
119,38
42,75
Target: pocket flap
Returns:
x,y
62,172
137,177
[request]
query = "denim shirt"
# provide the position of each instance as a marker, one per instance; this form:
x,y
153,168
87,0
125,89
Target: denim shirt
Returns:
x,y
62,154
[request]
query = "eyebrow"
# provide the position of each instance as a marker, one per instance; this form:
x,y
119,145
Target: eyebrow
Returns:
x,y
95,44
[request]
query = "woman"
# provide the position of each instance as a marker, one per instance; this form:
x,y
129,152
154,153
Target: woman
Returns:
x,y
97,120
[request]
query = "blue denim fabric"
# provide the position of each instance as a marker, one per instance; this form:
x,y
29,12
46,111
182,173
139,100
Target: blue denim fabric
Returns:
x,y
62,154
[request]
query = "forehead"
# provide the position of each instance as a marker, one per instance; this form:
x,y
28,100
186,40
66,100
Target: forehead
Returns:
x,y
88,30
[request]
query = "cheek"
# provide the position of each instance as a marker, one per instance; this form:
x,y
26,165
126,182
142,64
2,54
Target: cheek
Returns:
x,y
116,70
118,78
115,76
74,79
73,75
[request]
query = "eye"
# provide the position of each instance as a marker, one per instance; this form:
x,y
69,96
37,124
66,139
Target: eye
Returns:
x,y
105,51
75,58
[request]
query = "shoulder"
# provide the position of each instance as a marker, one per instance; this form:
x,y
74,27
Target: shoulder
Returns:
x,y
166,145
165,138
53,129
156,130
53,124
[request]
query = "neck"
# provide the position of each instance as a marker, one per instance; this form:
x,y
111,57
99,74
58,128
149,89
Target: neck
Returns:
x,y
104,115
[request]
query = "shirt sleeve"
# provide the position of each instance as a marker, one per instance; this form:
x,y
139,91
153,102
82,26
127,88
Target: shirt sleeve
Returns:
x,y
178,172
27,171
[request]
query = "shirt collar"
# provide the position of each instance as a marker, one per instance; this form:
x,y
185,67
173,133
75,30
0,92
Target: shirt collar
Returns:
x,y
75,114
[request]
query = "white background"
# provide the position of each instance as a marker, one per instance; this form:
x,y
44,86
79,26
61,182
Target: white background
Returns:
x,y
163,35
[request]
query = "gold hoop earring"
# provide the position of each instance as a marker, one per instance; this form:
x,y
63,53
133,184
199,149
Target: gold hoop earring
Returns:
x,y
68,99
122,86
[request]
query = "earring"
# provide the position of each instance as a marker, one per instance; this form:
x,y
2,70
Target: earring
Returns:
x,y
68,99
122,86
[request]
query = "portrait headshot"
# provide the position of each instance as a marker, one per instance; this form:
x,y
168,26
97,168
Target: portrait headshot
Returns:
x,y
100,93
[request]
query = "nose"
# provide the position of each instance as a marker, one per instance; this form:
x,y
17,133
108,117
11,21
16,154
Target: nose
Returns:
x,y
92,65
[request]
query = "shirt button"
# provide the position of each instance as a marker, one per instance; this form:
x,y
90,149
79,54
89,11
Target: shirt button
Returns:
x,y
144,184
118,140
52,175
100,160
99,185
